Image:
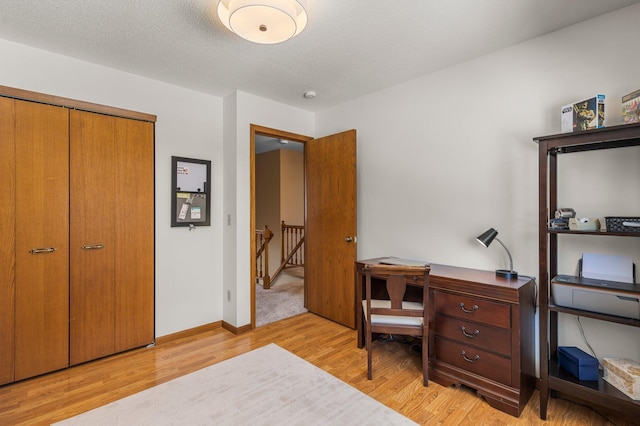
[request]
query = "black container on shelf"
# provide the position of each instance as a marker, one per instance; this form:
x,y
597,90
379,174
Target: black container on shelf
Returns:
x,y
622,224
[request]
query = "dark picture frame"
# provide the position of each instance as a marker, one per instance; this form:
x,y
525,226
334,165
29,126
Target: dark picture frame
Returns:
x,y
190,187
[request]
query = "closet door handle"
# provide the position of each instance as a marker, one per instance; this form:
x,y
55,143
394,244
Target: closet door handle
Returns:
x,y
42,250
93,247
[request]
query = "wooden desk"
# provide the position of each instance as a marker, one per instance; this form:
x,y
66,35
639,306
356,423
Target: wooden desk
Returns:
x,y
481,332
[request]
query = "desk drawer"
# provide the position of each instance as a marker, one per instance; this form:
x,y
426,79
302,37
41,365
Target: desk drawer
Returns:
x,y
472,333
474,360
474,309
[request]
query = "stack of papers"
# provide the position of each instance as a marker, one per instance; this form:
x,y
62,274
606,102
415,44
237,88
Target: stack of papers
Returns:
x,y
404,262
607,267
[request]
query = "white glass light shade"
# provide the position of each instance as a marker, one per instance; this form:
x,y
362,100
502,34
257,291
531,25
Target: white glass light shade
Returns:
x,y
263,21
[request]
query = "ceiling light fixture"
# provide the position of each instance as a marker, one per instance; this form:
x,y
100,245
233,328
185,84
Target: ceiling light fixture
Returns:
x,y
263,21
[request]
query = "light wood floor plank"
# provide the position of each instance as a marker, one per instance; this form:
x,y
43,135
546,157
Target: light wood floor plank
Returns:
x,y
397,377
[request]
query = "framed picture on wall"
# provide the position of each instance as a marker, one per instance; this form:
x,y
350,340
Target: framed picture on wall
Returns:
x,y
190,197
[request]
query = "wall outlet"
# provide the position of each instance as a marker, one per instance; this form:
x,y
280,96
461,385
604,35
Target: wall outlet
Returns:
x,y
229,220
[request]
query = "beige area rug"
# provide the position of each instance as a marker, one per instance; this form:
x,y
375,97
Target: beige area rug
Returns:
x,y
284,299
267,386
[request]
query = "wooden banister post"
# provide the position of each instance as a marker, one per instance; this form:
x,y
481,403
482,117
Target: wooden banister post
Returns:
x,y
263,237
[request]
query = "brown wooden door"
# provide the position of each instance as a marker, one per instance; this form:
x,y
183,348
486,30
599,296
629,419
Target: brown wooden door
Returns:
x,y
112,235
134,239
330,168
42,239
92,242
7,238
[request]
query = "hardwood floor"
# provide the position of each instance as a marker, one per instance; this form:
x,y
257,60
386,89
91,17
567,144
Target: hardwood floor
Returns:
x,y
397,380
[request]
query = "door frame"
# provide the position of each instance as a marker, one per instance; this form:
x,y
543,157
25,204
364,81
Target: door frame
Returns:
x,y
275,133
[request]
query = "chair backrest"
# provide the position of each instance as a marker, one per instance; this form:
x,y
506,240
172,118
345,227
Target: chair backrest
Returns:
x,y
396,277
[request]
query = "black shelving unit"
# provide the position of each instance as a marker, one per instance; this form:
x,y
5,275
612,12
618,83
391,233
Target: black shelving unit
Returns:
x,y
555,381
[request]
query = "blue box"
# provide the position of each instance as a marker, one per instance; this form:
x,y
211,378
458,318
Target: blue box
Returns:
x,y
577,362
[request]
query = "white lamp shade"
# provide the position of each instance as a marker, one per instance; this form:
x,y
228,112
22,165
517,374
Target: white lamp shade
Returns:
x,y
263,21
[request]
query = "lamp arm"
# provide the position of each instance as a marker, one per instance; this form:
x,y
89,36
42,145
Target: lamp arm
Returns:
x,y
509,254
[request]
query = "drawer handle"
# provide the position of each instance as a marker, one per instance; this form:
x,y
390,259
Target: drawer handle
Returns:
x,y
42,250
93,247
475,358
467,311
464,331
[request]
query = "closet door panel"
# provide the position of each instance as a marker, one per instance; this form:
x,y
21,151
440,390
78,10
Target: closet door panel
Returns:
x,y
134,224
7,238
42,239
92,242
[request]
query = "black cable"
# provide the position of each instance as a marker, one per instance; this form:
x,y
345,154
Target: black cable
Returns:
x,y
414,342
535,291
584,337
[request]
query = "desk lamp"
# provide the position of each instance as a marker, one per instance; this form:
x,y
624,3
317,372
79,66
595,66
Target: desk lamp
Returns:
x,y
485,239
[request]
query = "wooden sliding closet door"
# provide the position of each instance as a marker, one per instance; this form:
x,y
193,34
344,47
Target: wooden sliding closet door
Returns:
x,y
7,238
92,242
135,227
42,238
112,235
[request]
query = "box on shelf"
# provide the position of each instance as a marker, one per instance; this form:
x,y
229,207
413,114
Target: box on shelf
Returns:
x,y
583,115
566,124
624,374
577,362
631,108
622,224
584,224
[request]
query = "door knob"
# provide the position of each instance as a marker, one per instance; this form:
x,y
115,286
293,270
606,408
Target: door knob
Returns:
x,y
351,239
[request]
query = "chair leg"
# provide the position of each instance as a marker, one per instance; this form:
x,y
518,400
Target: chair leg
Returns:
x,y
425,360
369,369
369,360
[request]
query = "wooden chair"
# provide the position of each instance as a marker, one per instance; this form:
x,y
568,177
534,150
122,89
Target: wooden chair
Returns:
x,y
395,315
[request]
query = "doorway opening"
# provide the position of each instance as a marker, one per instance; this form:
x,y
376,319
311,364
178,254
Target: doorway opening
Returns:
x,y
277,207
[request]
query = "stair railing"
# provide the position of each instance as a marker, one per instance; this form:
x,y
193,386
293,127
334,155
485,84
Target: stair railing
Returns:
x,y
291,247
263,237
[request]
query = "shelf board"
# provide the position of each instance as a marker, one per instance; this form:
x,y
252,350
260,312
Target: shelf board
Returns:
x,y
599,392
620,136
588,314
569,231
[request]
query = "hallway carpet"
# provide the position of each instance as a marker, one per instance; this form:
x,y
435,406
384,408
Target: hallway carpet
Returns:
x,y
284,299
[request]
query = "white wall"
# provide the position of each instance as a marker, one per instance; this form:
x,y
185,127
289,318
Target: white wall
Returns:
x,y
189,124
458,144
242,110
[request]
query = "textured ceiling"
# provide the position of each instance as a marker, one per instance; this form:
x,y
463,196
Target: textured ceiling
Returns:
x,y
349,48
